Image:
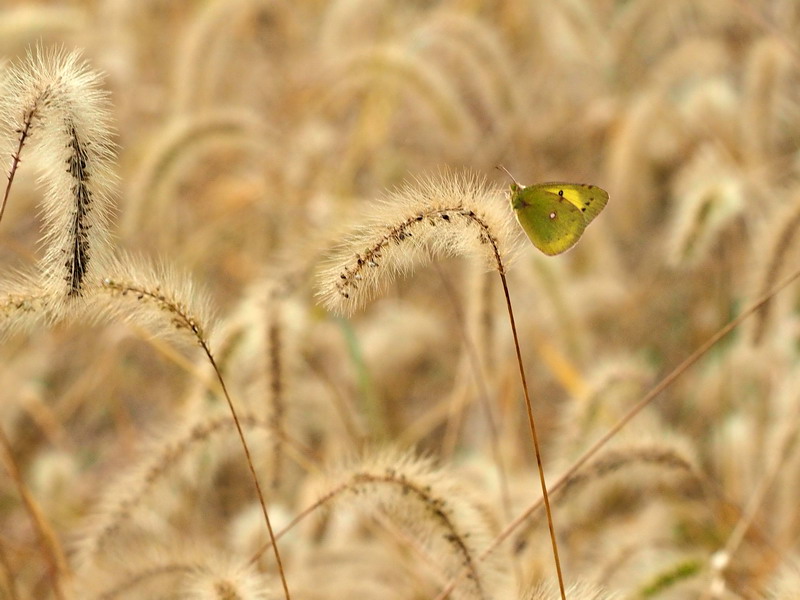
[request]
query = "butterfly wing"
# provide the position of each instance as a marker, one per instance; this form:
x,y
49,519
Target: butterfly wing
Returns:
x,y
552,222
587,198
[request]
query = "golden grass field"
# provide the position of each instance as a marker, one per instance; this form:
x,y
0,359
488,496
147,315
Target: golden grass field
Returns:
x,y
292,209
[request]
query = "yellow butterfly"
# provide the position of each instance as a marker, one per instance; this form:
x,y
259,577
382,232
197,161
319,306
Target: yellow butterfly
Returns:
x,y
554,214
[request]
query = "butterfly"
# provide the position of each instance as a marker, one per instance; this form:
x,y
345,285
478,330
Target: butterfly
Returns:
x,y
554,214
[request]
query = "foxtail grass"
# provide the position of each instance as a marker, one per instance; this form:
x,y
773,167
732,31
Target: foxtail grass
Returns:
x,y
204,53
26,305
439,217
122,498
139,293
428,89
577,591
449,215
54,107
424,501
178,143
195,571
708,197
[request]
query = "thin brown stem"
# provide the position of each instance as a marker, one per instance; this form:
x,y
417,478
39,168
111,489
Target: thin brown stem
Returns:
x,y
51,552
654,392
251,467
184,320
535,438
23,135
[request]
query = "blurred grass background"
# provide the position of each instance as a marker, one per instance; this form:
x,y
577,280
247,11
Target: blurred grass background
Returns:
x,y
250,132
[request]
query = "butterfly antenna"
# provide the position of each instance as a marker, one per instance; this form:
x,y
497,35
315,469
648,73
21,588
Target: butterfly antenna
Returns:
x,y
506,171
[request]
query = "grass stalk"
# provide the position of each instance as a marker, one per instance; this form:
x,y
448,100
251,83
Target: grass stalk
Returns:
x,y
246,449
535,439
183,320
24,132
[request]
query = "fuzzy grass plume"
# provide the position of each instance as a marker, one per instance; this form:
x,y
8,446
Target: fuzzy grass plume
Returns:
x,y
432,506
154,297
52,105
445,215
